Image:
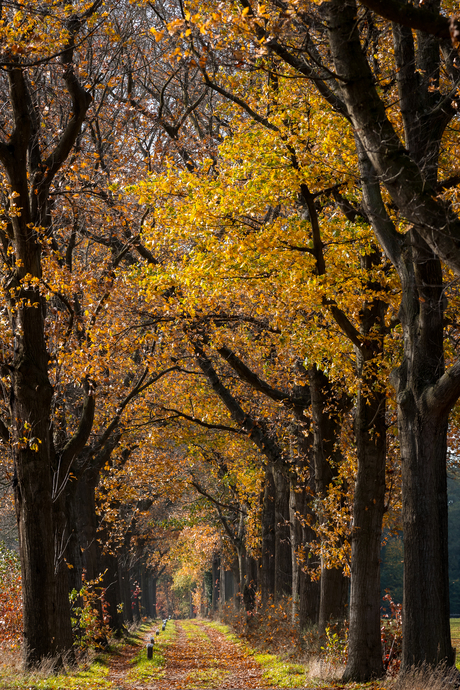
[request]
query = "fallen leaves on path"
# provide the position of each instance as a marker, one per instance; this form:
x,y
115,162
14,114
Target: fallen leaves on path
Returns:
x,y
209,660
199,657
120,665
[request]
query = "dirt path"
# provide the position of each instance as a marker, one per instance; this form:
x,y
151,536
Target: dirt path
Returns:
x,y
199,657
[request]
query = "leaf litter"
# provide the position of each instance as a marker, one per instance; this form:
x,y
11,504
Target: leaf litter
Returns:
x,y
200,657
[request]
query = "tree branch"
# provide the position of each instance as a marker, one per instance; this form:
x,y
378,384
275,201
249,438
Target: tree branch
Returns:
x,y
75,444
443,395
259,384
204,493
253,429
194,420
417,18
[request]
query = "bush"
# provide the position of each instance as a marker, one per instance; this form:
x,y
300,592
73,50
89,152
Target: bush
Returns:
x,y
335,649
10,599
391,636
269,628
90,620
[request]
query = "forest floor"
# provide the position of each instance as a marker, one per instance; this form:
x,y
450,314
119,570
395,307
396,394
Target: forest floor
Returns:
x,y
188,655
199,654
195,655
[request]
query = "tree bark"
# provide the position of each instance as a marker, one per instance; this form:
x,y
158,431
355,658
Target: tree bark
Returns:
x,y
409,173
327,413
125,589
38,478
267,576
309,589
423,439
364,644
215,582
283,553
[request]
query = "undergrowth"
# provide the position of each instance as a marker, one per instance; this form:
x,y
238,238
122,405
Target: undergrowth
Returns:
x,y
268,628
90,672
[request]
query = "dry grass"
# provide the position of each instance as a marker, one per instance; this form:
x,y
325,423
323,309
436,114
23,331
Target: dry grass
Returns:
x,y
13,674
11,658
426,678
319,669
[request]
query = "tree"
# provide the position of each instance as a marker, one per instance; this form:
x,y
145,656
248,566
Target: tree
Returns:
x,y
273,245
345,62
58,275
30,167
425,393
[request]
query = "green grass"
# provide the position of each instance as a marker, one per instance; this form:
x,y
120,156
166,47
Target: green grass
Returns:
x,y
281,673
94,677
146,670
225,630
206,678
91,676
455,635
277,672
192,630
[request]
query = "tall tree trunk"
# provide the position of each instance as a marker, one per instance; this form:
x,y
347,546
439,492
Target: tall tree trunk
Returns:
x,y
309,589
125,588
37,481
112,596
145,591
364,645
36,547
283,558
327,412
83,548
223,588
423,438
267,577
215,582
154,597
47,629
62,572
295,567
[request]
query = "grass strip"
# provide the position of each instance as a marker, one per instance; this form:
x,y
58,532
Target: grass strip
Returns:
x,y
146,670
277,672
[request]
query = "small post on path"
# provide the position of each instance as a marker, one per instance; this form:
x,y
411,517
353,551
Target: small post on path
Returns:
x,y
150,651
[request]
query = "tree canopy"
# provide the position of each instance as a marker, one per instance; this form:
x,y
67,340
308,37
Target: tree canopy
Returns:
x,y
229,330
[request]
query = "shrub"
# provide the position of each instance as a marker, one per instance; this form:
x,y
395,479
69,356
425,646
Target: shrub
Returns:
x,y
335,649
269,627
391,636
10,599
90,620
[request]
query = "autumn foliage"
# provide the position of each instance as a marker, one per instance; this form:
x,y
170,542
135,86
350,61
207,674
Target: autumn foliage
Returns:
x,y
229,333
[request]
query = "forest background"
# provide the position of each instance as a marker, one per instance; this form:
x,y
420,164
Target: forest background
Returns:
x,y
230,255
